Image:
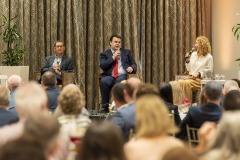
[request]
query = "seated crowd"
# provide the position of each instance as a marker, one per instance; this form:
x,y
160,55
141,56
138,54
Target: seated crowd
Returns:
x,y
150,122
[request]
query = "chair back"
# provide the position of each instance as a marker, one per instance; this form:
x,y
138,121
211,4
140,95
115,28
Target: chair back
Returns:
x,y
171,115
68,78
192,134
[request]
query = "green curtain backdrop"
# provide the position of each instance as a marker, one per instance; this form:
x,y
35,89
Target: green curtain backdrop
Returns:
x,y
159,32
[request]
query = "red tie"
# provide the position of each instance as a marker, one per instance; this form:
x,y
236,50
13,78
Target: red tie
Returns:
x,y
115,68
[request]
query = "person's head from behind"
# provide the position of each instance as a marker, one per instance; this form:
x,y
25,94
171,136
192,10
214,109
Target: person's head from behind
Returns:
x,y
165,92
102,141
202,45
178,94
118,94
237,80
151,111
130,88
22,149
115,42
225,142
14,81
145,89
232,101
71,100
180,153
29,99
4,97
45,133
229,86
59,48
213,91
48,79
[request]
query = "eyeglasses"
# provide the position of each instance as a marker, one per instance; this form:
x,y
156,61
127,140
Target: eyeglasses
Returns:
x,y
59,46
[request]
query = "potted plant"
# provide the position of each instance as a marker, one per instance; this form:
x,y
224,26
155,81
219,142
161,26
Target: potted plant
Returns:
x,y
236,32
13,54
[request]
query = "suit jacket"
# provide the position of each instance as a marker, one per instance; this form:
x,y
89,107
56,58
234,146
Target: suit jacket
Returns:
x,y
197,115
124,119
7,117
53,93
107,62
66,65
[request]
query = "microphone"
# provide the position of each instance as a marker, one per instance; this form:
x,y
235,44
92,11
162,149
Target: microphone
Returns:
x,y
119,56
189,53
58,62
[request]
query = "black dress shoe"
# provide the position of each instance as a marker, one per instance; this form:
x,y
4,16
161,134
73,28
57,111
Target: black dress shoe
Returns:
x,y
104,110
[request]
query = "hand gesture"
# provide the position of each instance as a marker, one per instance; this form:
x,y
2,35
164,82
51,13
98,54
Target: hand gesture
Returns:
x,y
116,54
129,69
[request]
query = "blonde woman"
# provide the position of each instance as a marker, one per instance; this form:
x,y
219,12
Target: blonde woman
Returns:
x,y
153,123
195,64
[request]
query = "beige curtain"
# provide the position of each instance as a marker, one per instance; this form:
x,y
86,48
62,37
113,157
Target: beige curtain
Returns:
x,y
161,31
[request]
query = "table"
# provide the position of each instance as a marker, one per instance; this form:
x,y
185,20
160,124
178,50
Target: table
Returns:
x,y
203,82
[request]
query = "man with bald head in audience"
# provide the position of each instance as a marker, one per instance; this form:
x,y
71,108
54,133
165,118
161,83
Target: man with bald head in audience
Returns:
x,y
14,81
31,99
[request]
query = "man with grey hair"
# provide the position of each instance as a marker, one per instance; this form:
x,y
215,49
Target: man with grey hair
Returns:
x,y
229,86
14,81
211,111
31,99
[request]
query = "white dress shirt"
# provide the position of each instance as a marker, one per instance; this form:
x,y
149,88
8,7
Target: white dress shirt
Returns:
x,y
198,64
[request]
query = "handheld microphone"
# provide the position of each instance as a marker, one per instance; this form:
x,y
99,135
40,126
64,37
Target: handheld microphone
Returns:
x,y
58,62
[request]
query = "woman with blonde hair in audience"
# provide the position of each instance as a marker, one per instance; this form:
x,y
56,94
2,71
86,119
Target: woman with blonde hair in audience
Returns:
x,y
154,125
225,144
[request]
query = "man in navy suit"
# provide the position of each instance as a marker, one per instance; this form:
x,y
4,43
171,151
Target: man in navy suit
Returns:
x,y
116,63
211,111
58,63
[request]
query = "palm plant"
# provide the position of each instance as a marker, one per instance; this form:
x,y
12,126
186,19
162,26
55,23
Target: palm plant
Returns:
x,y
13,54
236,32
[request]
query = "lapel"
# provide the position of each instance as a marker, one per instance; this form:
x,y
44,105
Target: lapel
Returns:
x,y
63,61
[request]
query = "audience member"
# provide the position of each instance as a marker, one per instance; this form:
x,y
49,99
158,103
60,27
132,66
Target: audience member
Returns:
x,y
232,101
229,86
125,117
146,88
211,111
237,80
116,63
71,101
102,141
154,125
165,92
118,119
195,64
14,81
180,153
46,134
22,149
225,144
178,94
7,117
49,83
59,62
31,99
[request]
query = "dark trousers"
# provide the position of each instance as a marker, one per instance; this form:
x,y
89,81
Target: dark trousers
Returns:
x,y
106,84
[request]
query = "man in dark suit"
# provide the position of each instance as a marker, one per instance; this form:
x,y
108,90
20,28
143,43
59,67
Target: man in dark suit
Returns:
x,y
211,111
116,63
49,83
6,117
58,63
